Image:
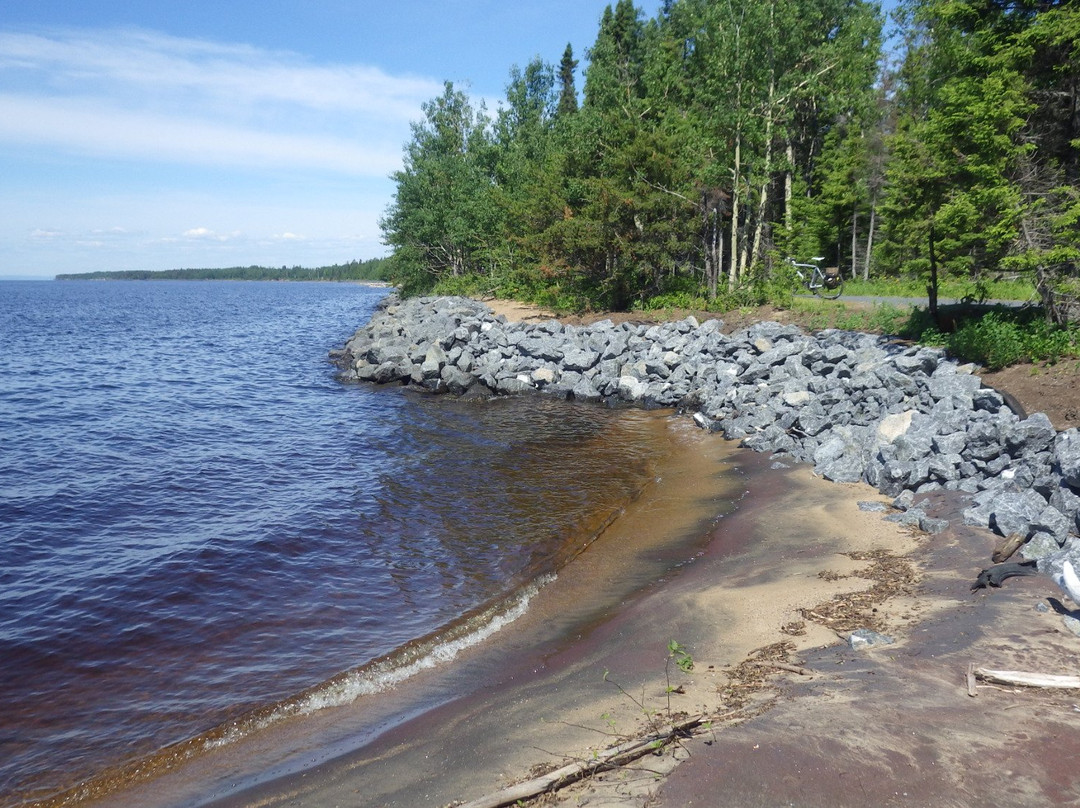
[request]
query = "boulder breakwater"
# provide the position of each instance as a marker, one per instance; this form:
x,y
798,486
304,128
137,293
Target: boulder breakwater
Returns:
x,y
905,419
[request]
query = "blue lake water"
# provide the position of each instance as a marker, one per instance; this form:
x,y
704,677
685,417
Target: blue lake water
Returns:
x,y
198,522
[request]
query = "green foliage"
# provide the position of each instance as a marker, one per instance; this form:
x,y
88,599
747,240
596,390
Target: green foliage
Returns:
x,y
999,337
443,220
568,104
680,656
374,269
715,135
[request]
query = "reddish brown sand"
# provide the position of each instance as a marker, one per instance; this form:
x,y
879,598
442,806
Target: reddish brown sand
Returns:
x,y
896,726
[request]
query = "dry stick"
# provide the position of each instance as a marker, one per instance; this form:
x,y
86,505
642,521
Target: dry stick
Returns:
x,y
971,680
608,759
784,666
1028,679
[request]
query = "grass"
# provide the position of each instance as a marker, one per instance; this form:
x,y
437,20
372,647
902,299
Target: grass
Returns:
x,y
999,337
992,336
950,289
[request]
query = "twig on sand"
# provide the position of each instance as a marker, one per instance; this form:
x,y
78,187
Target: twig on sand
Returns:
x,y
571,773
971,680
784,666
1026,679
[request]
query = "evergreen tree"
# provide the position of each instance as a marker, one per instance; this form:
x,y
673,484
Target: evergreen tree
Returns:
x,y
568,104
953,205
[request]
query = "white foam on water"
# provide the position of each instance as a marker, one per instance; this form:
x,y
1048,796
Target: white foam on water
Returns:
x,y
385,674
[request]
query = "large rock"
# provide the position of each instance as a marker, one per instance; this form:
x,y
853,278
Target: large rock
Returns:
x,y
1067,457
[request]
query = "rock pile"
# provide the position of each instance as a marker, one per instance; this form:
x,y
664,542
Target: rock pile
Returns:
x,y
905,419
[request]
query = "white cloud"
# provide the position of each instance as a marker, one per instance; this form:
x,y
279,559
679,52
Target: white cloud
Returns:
x,y
152,97
155,64
210,235
92,127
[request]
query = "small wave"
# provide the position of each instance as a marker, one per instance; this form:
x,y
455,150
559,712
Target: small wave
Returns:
x,y
438,648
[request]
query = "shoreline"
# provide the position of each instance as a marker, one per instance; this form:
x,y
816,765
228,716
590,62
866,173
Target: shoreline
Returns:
x,y
672,505
491,719
549,704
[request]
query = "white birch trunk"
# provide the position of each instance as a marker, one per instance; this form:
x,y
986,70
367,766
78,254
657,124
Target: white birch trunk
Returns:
x,y
869,242
733,253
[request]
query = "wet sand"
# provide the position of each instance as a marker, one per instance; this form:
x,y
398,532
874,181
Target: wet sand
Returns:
x,y
783,549
896,725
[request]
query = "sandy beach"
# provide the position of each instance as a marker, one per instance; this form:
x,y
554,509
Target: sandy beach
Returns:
x,y
790,713
786,548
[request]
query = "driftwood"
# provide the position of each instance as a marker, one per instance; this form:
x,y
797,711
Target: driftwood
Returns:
x,y
1025,679
971,680
608,759
1006,549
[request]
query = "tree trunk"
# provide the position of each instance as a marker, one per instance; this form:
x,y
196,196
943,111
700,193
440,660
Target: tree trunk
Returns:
x,y
854,239
763,197
733,253
932,286
869,242
789,185
712,260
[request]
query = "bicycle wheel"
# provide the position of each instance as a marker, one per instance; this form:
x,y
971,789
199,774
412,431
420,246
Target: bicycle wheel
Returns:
x,y
830,293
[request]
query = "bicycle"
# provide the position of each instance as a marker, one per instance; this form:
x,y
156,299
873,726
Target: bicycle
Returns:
x,y
827,283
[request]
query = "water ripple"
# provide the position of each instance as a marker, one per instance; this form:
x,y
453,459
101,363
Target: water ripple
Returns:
x,y
199,522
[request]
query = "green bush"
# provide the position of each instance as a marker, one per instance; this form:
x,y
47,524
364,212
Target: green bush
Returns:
x,y
992,341
997,338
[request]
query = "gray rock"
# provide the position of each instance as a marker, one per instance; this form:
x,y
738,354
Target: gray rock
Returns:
x,y
904,500
1033,434
584,390
1052,522
907,421
1015,512
1067,457
933,526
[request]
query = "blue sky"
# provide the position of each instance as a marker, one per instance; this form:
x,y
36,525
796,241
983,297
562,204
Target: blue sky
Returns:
x,y
164,134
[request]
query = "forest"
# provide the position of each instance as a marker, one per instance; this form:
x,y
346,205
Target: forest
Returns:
x,y
374,269
718,137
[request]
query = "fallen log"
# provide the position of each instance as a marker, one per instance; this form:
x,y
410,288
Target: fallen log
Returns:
x,y
608,759
1026,679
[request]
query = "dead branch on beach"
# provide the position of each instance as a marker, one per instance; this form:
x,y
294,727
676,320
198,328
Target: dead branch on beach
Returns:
x,y
608,759
783,666
1027,679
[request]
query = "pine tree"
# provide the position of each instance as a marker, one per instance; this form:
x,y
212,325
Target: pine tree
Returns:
x,y
568,104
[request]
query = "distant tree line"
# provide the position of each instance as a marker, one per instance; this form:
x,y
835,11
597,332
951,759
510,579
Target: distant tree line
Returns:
x,y
717,137
374,269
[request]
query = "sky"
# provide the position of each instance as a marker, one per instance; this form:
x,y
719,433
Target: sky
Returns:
x,y
155,134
